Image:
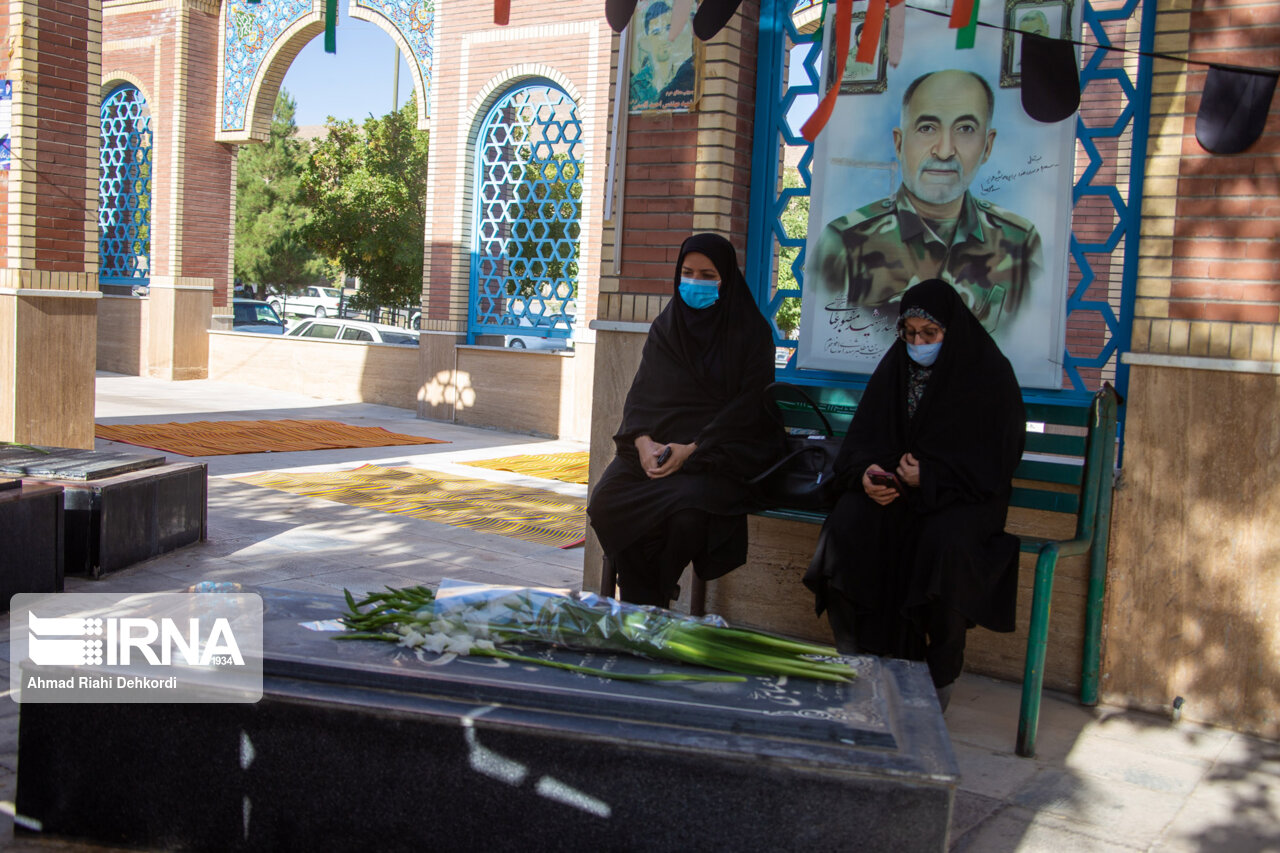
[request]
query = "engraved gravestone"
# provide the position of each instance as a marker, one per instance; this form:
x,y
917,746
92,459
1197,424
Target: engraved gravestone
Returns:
x,y
363,745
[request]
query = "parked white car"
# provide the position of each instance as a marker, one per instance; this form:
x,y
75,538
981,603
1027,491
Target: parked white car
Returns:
x,y
354,330
312,302
535,341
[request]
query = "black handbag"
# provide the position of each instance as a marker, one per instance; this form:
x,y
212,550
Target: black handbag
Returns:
x,y
804,478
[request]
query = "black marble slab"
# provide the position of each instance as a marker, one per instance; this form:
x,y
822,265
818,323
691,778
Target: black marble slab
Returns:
x,y
114,522
31,540
65,463
362,745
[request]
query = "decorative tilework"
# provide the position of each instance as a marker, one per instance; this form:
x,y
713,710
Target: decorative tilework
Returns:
x,y
415,19
251,30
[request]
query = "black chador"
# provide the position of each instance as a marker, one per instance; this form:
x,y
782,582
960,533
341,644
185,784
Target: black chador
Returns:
x,y
701,379
907,579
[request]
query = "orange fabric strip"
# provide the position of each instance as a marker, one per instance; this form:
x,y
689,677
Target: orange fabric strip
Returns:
x,y
820,117
871,31
961,13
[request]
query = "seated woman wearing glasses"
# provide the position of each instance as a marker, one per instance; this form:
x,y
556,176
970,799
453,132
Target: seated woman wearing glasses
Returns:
x,y
914,553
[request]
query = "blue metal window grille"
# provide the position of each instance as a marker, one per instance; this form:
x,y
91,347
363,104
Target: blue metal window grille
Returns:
x,y
124,189
524,257
1111,141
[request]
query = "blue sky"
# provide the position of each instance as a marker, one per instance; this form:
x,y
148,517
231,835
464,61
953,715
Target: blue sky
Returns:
x,y
352,83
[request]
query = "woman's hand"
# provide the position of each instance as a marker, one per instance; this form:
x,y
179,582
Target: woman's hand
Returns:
x,y
909,470
679,453
650,451
883,495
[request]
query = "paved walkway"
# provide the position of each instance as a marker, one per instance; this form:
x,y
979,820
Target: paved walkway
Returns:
x,y
1104,780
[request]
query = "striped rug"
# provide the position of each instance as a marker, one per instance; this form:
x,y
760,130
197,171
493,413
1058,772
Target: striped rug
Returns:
x,y
221,438
534,515
567,467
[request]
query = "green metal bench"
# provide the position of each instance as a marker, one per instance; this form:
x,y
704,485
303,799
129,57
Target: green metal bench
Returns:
x,y
1065,471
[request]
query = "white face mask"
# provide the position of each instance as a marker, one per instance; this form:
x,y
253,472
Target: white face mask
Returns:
x,y
924,354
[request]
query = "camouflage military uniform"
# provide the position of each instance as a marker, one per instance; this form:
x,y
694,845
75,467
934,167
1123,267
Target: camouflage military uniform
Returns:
x,y
872,255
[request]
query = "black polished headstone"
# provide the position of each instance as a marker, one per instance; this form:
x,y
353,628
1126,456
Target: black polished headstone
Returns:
x,y
65,463
115,522
31,540
362,745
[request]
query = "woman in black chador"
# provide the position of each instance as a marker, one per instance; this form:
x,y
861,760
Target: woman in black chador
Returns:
x,y
694,429
904,569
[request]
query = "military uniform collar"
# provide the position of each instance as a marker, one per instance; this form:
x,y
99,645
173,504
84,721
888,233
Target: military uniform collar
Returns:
x,y
912,225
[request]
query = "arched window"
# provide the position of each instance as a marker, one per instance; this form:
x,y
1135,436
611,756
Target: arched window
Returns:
x,y
124,189
524,257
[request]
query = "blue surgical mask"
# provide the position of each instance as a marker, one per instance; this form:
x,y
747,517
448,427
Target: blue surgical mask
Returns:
x,y
924,354
699,294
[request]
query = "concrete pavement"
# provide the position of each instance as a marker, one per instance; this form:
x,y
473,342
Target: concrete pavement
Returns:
x,y
1105,779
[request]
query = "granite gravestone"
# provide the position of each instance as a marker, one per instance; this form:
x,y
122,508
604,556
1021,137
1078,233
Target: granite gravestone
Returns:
x,y
120,507
362,745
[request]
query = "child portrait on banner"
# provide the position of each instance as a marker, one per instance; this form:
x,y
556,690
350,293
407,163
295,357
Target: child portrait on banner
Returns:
x,y
940,175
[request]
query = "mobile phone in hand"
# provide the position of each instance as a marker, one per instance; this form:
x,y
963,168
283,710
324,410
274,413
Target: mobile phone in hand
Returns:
x,y
664,456
884,478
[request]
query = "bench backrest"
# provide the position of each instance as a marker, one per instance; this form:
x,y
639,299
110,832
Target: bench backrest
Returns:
x,y
1064,468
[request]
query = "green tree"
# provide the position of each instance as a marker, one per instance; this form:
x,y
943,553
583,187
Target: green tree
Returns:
x,y
548,230
270,214
367,190
795,222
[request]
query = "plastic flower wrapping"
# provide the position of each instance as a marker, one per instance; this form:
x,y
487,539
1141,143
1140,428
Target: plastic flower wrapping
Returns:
x,y
466,618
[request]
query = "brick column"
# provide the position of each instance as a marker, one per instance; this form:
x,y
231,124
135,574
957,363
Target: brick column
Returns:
x,y
48,280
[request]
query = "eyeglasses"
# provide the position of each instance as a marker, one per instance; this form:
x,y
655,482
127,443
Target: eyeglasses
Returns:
x,y
927,335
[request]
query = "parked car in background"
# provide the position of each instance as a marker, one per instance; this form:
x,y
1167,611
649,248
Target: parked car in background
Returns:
x,y
354,330
535,341
312,302
254,315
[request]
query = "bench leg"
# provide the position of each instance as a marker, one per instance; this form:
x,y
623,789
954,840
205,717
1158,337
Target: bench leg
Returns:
x,y
609,578
697,596
1037,642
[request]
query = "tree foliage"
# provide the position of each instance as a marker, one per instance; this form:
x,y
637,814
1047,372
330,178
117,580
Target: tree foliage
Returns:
x,y
269,210
795,222
366,188
548,230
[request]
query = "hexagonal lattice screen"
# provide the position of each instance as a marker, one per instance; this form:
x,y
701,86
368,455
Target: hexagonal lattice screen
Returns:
x,y
124,189
524,265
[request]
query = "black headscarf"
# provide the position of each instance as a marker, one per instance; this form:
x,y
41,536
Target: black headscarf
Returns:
x,y
703,372
969,428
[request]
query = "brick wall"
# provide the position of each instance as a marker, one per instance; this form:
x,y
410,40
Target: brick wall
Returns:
x,y
1210,257
63,71
685,172
562,40
169,50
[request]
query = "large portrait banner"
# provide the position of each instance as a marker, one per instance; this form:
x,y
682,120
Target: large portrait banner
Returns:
x,y
935,171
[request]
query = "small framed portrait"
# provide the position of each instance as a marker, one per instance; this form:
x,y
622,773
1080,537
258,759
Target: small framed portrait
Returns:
x,y
860,78
1051,19
665,72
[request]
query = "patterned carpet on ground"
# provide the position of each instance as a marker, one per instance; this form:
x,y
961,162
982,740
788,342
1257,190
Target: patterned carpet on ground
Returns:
x,y
221,438
534,515
567,467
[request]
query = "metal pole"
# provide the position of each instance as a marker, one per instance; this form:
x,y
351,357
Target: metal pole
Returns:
x,y
395,85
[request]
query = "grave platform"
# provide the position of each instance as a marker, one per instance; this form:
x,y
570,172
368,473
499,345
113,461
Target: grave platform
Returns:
x,y
363,745
120,507
31,539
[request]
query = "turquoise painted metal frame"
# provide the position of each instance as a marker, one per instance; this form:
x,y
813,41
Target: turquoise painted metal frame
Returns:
x,y
773,99
560,323
1104,418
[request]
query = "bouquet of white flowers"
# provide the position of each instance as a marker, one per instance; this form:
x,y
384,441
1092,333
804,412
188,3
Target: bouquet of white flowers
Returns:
x,y
475,619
